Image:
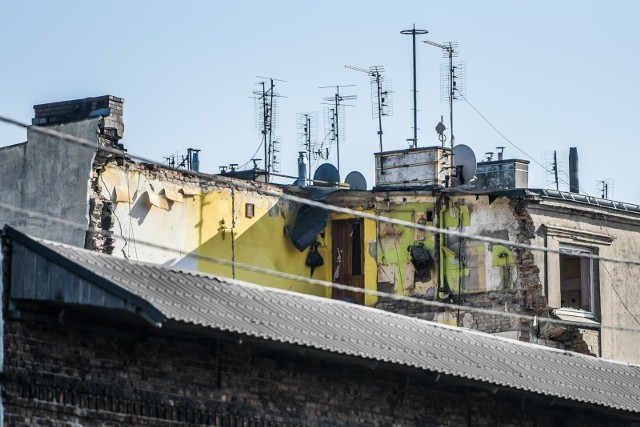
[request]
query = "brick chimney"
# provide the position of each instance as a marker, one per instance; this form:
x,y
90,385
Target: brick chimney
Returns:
x,y
108,106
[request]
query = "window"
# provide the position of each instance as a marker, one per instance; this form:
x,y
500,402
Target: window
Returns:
x,y
577,293
249,210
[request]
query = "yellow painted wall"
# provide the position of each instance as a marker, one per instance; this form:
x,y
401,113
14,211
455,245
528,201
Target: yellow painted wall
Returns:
x,y
200,227
259,241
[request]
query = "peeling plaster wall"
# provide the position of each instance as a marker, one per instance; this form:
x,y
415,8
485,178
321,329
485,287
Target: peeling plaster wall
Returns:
x,y
480,266
396,272
470,273
469,266
209,223
610,234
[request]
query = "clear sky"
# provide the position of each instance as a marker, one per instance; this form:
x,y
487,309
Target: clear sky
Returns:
x,y
548,75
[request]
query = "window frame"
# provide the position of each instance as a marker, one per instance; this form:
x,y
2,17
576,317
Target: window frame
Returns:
x,y
571,249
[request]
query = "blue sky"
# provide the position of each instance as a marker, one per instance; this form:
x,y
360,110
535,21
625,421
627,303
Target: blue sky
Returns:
x,y
548,75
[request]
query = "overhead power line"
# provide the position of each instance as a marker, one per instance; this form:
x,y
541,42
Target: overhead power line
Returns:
x,y
248,185
264,191
303,279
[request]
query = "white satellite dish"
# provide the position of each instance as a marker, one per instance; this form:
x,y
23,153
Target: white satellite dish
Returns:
x,y
356,180
465,160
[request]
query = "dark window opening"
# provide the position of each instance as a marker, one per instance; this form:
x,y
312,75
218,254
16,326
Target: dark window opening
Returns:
x,y
576,281
356,251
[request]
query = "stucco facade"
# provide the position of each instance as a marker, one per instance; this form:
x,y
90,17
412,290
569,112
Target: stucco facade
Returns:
x,y
217,225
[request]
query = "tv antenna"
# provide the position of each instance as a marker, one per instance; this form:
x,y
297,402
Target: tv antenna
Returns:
x,y
380,95
190,161
335,117
604,187
449,80
267,119
555,167
275,154
308,139
413,32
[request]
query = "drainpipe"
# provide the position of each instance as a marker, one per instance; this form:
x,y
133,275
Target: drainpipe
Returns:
x,y
438,243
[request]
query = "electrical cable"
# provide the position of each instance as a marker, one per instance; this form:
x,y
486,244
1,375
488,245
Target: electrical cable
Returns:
x,y
251,186
509,141
289,276
562,180
253,156
225,180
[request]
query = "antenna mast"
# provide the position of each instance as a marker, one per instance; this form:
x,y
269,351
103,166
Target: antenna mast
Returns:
x,y
555,168
604,189
334,115
449,51
413,33
307,138
382,93
267,119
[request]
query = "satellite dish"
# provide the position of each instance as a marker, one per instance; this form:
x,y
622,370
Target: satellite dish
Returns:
x,y
326,172
356,180
464,159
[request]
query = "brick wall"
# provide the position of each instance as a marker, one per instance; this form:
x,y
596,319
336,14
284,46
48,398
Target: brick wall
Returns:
x,y
109,107
77,109
86,375
500,301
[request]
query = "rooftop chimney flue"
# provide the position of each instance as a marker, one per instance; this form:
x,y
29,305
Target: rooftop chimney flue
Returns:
x,y
574,182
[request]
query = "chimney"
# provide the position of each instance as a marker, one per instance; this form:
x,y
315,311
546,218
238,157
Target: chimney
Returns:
x,y
302,170
502,174
574,182
107,106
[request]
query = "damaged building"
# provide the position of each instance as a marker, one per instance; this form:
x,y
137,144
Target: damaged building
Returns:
x,y
219,225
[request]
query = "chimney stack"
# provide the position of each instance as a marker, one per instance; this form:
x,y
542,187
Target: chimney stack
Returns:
x,y
574,182
108,106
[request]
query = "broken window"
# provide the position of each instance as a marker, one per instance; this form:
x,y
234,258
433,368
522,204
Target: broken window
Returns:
x,y
576,281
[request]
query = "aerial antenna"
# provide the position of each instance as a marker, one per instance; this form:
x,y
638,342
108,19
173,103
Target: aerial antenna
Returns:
x,y
335,117
308,139
275,154
381,97
413,33
267,119
604,187
448,82
170,160
555,167
190,161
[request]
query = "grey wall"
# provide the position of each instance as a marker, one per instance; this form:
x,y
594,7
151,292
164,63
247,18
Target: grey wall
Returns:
x,y
50,176
12,160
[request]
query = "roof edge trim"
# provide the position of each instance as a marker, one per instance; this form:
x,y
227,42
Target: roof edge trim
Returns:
x,y
147,310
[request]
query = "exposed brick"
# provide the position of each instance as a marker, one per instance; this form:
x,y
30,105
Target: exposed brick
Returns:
x,y
59,375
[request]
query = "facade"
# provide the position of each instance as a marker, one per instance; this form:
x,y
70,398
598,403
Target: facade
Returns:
x,y
93,340
219,225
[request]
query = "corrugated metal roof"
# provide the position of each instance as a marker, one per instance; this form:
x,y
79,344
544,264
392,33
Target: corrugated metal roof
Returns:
x,y
347,329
